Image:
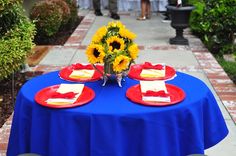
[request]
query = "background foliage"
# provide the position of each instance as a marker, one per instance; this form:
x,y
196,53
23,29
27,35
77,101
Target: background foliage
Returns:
x,y
215,23
73,10
51,16
48,17
16,37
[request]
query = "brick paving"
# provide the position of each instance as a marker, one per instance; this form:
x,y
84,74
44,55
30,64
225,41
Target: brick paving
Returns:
x,y
224,87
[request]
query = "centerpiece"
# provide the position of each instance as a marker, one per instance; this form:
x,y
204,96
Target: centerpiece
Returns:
x,y
113,46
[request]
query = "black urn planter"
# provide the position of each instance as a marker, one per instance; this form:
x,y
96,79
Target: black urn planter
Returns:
x,y
179,21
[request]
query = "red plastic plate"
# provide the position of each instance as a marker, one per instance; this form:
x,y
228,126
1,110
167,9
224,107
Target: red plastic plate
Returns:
x,y
86,96
176,95
135,71
65,73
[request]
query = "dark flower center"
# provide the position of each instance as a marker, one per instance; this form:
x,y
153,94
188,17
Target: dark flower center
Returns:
x,y
121,61
115,45
96,53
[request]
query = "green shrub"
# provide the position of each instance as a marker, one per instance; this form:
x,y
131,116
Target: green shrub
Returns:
x,y
47,16
16,39
73,10
8,3
196,17
8,18
65,10
220,17
215,22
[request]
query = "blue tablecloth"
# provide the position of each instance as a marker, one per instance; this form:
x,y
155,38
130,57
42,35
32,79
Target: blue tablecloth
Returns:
x,y
112,125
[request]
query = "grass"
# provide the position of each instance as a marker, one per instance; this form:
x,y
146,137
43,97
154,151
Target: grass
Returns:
x,y
229,67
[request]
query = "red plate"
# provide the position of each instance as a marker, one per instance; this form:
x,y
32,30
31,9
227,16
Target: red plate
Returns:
x,y
135,71
176,95
65,73
44,94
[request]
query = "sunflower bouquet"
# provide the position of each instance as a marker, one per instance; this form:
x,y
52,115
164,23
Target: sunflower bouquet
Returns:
x,y
113,46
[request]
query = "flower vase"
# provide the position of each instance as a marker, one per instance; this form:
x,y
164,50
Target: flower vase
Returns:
x,y
109,73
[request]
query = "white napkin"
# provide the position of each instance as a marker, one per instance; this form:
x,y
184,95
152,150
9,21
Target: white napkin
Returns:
x,y
154,86
65,88
82,73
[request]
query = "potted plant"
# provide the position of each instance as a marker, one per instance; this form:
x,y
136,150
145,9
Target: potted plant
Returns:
x,y
180,11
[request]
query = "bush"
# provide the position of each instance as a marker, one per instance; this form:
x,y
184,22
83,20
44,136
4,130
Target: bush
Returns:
x,y
215,22
196,18
65,10
7,3
16,37
8,19
73,10
47,16
220,19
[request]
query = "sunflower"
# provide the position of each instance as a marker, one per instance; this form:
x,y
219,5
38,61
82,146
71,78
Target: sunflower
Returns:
x,y
121,63
115,42
133,51
99,34
117,24
114,52
126,34
95,53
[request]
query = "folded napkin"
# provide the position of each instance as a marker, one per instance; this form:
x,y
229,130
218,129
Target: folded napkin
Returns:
x,y
83,73
148,65
69,95
66,94
160,93
153,71
154,91
81,66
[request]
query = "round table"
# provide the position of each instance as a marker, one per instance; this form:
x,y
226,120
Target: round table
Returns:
x,y
112,125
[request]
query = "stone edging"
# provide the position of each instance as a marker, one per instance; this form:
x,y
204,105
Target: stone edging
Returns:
x,y
222,84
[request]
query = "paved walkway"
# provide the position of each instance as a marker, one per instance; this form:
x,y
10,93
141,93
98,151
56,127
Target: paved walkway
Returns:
x,y
152,38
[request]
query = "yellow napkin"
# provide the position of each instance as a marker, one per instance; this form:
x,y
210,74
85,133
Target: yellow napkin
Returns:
x,y
154,86
65,88
82,73
152,73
